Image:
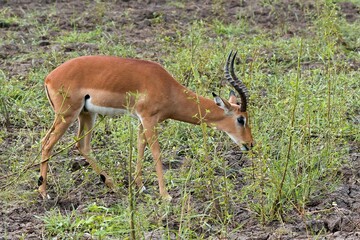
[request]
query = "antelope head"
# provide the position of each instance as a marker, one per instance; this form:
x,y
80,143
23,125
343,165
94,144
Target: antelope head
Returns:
x,y
239,131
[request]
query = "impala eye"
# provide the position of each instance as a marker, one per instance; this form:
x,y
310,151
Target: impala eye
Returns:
x,y
241,121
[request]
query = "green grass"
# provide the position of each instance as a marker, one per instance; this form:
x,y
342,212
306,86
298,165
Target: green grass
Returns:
x,y
304,106
98,221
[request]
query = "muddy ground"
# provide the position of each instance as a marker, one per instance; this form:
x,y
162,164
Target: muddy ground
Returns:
x,y
338,213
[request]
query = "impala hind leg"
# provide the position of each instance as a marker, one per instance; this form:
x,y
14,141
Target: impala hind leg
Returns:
x,y
60,125
141,144
86,125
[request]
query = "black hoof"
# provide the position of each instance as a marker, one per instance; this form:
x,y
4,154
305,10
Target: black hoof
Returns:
x,y
103,178
40,181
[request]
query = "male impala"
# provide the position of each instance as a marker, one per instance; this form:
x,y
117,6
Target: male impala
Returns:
x,y
86,86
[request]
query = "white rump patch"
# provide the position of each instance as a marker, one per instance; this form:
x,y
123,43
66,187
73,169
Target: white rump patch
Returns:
x,y
109,111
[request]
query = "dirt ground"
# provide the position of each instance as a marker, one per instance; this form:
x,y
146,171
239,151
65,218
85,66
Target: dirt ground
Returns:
x,y
343,219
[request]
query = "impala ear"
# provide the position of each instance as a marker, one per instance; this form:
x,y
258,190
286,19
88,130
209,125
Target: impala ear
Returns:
x,y
222,103
232,97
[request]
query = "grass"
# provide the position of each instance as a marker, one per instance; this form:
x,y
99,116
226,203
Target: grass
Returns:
x,y
304,106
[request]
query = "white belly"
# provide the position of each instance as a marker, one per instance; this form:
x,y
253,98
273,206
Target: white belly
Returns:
x,y
109,111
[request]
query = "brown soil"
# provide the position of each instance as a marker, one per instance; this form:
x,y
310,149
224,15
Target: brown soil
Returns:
x,y
342,222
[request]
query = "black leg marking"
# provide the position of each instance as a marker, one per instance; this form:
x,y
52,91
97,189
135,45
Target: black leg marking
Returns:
x,y
40,181
102,177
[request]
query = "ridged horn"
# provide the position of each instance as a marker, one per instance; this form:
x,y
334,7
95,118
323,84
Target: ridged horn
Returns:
x,y
235,82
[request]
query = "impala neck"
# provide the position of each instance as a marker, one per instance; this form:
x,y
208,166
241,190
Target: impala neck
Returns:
x,y
195,109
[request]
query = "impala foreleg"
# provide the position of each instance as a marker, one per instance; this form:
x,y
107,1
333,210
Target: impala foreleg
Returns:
x,y
153,142
86,125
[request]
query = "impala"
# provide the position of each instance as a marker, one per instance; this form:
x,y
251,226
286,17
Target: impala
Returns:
x,y
86,86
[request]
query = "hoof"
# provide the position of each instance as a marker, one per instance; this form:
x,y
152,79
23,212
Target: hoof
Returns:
x,y
143,190
109,182
166,197
44,195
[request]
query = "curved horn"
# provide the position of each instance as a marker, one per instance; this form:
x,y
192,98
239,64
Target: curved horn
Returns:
x,y
235,82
